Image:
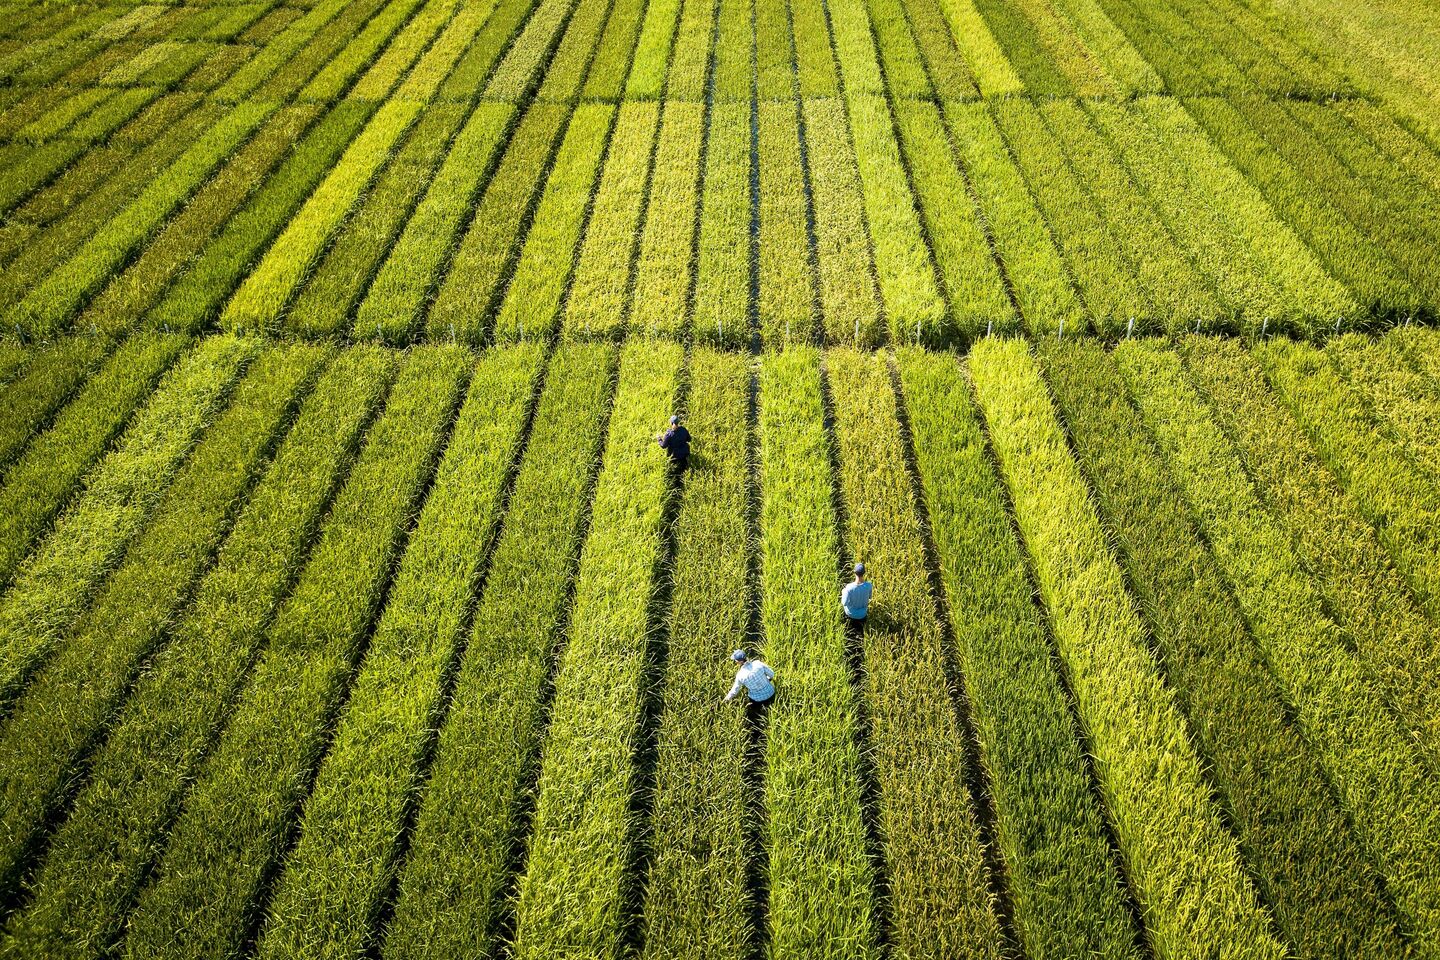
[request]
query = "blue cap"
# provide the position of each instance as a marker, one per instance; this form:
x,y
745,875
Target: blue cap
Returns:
x,y
739,656
859,569
674,420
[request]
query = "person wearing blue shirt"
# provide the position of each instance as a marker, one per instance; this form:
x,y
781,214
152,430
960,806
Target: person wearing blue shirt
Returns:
x,y
855,599
757,680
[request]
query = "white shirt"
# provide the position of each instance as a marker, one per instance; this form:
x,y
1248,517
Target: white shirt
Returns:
x,y
756,678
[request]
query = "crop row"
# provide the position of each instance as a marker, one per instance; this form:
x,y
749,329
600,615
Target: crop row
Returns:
x,y
1183,865
938,901
95,858
51,586
1065,890
1324,892
1371,760
41,380
1403,399
459,872
63,711
251,786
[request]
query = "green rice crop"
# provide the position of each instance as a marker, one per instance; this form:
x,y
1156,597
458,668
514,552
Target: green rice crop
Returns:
x,y
774,58
326,302
277,51
95,859
722,281
786,302
904,70
974,290
1066,893
56,117
696,901
614,54
517,72
815,71
136,289
52,587
1324,890
1403,399
1182,295
1067,52
452,889
1386,790
851,32
39,484
13,358
1107,42
537,287
821,878
476,272
902,255
574,890
477,58
566,72
733,72
938,900
50,377
1354,258
254,780
652,51
196,296
65,708
1366,596
1023,243
946,65
438,32
1184,866
849,297
329,41
690,60
665,264
397,298
1113,293
599,290
1034,66
335,77
1391,136
1387,487
266,292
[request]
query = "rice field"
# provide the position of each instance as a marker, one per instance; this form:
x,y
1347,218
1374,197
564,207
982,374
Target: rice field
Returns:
x,y
349,609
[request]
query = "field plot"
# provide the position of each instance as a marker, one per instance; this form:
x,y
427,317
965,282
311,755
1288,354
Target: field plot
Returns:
x,y
350,610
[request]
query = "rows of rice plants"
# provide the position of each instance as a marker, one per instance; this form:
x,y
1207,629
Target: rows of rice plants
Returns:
x,y
240,810
53,584
47,378
466,296
198,294
574,889
1024,246
1371,761
974,290
722,269
1184,866
1404,400
665,263
697,902
690,57
326,303
849,296
571,60
346,859
938,902
397,297
64,709
949,74
821,878
613,61
652,51
38,485
599,289
815,70
516,73
785,306
138,777
1389,490
903,266
1325,893
904,70
1065,890
1366,596
536,293
774,55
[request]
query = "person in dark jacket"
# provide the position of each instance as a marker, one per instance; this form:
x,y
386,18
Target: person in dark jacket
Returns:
x,y
676,443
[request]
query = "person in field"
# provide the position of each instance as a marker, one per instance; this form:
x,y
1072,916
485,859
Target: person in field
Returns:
x,y
676,444
855,600
757,680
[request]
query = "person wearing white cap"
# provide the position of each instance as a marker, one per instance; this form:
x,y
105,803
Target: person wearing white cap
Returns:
x,y
757,680
855,599
676,443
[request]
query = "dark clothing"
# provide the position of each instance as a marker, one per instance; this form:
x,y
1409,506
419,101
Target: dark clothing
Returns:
x,y
854,627
755,710
676,442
